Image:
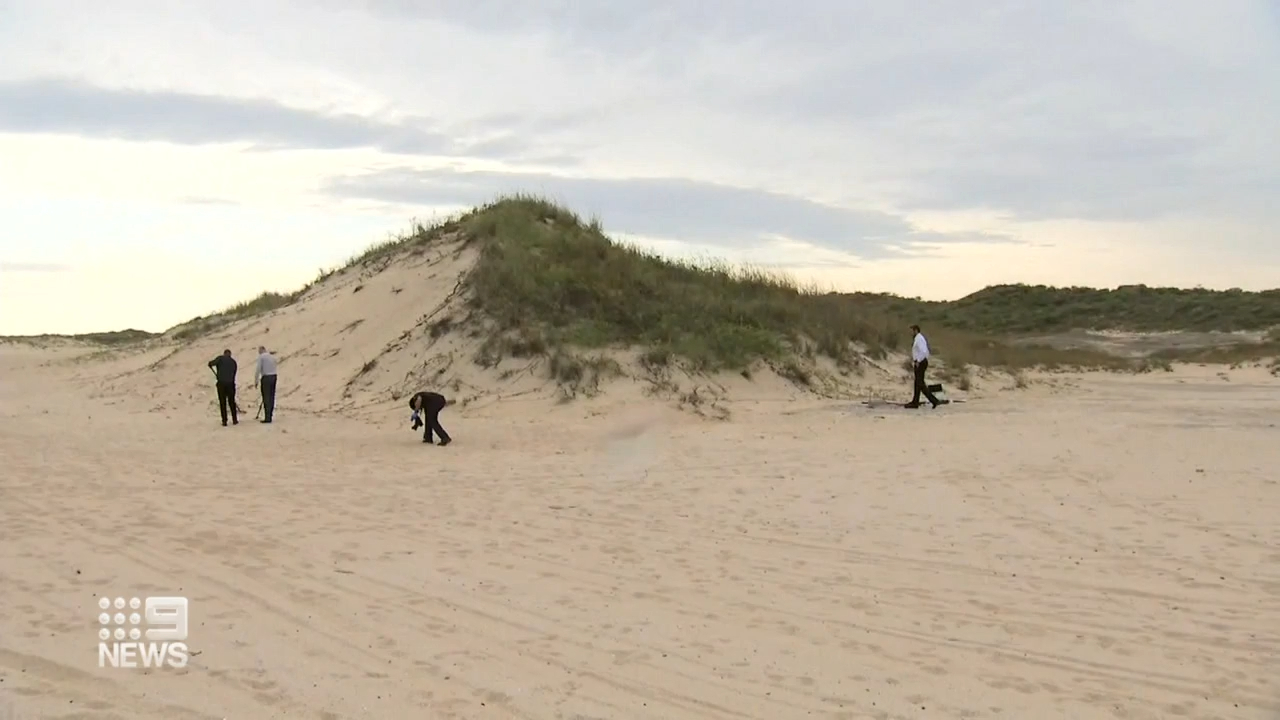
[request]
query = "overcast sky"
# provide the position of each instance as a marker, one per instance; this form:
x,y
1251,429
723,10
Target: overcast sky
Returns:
x,y
160,160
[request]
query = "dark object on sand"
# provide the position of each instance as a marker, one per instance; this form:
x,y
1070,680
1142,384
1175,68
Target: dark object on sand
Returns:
x,y
880,404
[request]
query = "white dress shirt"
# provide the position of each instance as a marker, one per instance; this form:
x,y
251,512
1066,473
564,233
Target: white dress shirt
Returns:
x,y
266,365
920,348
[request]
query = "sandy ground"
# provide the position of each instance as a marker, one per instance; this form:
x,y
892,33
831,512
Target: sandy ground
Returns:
x,y
1109,550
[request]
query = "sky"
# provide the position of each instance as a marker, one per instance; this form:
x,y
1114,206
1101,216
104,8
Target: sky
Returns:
x,y
162,160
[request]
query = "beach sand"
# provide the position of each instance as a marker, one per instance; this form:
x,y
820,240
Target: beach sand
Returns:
x,y
1104,547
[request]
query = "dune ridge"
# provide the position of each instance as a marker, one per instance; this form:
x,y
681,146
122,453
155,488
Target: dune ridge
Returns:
x,y
404,316
521,298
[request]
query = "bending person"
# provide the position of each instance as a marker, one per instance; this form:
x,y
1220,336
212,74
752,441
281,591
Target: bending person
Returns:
x,y
429,404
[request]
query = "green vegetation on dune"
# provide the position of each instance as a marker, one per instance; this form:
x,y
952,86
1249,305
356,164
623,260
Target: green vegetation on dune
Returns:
x,y
546,277
546,282
263,303
1027,309
113,337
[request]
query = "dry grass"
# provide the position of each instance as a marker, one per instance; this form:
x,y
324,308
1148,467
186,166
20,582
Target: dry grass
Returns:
x,y
109,339
266,302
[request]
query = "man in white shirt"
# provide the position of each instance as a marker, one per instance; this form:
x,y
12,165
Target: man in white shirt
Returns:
x,y
264,372
920,363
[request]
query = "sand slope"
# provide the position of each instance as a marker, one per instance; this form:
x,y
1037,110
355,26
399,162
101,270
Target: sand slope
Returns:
x,y
1102,551
357,318
358,342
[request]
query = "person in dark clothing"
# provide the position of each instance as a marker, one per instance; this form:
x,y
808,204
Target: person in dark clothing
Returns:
x,y
224,368
920,363
429,404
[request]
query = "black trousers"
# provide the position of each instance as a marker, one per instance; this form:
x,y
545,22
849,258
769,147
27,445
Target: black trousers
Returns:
x,y
268,384
432,411
227,401
921,387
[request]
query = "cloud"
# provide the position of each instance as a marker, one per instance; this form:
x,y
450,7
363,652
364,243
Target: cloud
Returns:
x,y
1103,111
19,267
76,108
672,208
1145,125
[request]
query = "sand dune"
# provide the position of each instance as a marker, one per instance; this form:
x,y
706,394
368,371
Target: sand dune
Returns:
x,y
359,343
1106,548
343,345
1090,546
